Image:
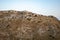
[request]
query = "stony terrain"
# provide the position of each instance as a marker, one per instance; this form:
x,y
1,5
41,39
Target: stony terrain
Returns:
x,y
24,25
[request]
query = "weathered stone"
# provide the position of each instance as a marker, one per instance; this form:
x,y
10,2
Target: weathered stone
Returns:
x,y
24,25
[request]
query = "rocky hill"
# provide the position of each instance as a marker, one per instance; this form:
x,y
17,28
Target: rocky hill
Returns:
x,y
24,25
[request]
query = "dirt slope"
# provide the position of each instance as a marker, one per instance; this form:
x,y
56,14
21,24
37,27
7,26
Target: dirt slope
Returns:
x,y
24,25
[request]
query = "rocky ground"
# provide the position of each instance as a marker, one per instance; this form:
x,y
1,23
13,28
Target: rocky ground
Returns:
x,y
24,25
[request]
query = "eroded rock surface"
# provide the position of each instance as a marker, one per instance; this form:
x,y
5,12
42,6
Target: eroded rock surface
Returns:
x,y
24,25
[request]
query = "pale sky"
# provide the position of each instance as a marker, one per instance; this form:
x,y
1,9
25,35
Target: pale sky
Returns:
x,y
44,7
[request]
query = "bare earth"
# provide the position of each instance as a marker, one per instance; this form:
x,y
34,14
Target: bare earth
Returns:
x,y
24,25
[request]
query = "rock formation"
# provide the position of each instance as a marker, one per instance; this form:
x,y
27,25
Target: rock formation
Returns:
x,y
24,25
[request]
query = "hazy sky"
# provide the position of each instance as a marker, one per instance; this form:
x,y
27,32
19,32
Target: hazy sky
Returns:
x,y
45,7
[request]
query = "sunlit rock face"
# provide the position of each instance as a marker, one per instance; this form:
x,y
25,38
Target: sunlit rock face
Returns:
x,y
24,25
